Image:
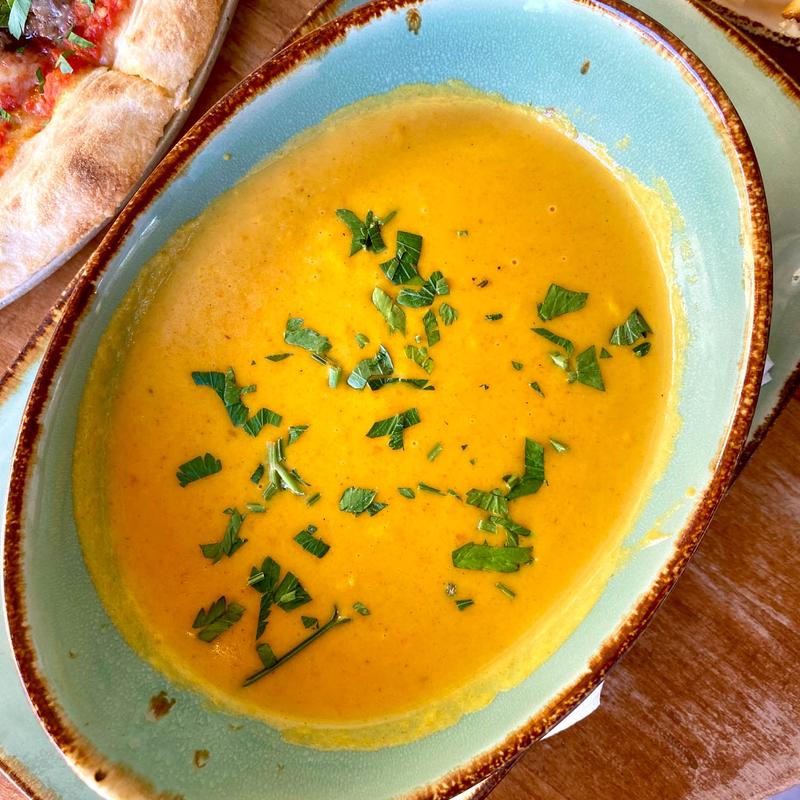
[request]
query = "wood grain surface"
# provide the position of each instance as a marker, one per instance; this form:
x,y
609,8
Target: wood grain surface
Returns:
x,y
707,704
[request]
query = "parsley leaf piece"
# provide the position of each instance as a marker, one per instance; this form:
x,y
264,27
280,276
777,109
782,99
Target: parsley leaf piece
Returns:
x,y
18,16
79,40
4,115
604,353
256,508
559,300
362,340
465,603
560,360
454,493
448,314
536,388
267,656
279,356
307,338
393,427
230,541
313,499
335,620
261,418
290,594
588,370
426,294
258,474
265,580
280,476
367,234
509,593
361,609
334,373
393,314
633,329
493,317
196,468
424,487
641,350
431,328
309,622
40,80
63,64
462,233
435,450
406,492
492,501
356,501
311,543
533,476
224,384
419,355
377,367
220,617
516,365
402,268
489,558
296,431
559,341
414,383
559,447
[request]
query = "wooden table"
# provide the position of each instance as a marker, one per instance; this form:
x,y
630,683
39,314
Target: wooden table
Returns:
x,y
707,704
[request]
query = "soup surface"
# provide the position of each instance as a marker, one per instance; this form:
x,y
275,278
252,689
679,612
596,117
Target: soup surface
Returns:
x,y
466,536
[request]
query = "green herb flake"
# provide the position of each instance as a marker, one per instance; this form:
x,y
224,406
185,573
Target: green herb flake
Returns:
x,y
367,234
262,417
493,317
641,350
362,340
557,340
431,326
517,365
465,603
559,447
489,558
63,64
258,474
356,501
419,355
39,77
256,508
307,338
361,609
290,594
588,369
509,593
296,431
311,543
313,499
492,501
559,300
447,314
309,622
426,294
4,115
406,492
224,384
279,357
461,234
18,16
536,388
533,477
392,313
393,427
379,366
435,451
424,487
220,617
79,40
604,353
230,542
560,360
633,329
403,267
334,374
197,468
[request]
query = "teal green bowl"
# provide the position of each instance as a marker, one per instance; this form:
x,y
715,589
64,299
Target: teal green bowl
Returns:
x,y
91,691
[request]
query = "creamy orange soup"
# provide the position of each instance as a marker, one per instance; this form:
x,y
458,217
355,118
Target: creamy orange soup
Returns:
x,y
494,501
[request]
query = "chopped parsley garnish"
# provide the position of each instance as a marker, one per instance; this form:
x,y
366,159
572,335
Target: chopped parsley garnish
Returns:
x,y
4,115
533,477
494,501
560,360
362,340
465,603
271,663
230,541
454,493
587,370
462,233
559,300
431,328
448,314
220,617
642,349
406,492
79,40
295,432
288,594
307,338
63,64
516,365
258,474
17,16
493,317
536,388
224,384
435,450
403,267
419,355
450,589
313,499
367,234
424,487
311,543
256,508
393,314
309,622
560,341
488,558
39,78
357,501
361,609
604,353
377,367
426,294
279,356
559,447
280,477
262,417
393,427
510,593
196,468
633,329
414,383
334,373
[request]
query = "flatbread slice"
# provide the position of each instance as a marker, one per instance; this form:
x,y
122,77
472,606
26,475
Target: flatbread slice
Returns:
x,y
73,174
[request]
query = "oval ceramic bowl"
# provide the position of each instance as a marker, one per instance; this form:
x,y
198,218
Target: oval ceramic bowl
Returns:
x,y
92,692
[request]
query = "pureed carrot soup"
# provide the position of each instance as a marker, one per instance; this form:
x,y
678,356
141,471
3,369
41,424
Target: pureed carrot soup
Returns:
x,y
362,444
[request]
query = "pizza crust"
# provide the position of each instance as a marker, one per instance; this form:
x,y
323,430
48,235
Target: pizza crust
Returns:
x,y
165,41
72,175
